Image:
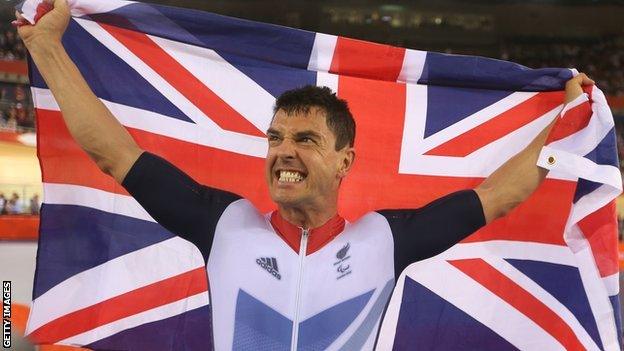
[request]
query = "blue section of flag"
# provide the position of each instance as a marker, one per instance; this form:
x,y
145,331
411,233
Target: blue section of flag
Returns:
x,y
256,49
584,187
130,88
75,238
447,106
261,41
617,311
605,153
183,332
563,283
487,73
259,327
428,322
147,18
322,329
275,57
274,78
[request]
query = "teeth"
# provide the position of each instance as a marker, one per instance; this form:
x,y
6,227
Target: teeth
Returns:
x,y
290,176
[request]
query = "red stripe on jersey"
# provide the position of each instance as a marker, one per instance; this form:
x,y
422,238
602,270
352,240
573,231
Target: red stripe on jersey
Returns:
x,y
574,120
520,299
136,301
184,81
367,60
600,229
499,126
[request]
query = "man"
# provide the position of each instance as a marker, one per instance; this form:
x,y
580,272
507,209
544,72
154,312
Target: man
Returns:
x,y
300,277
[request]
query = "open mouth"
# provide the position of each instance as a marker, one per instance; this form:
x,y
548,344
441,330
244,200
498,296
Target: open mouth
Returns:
x,y
290,176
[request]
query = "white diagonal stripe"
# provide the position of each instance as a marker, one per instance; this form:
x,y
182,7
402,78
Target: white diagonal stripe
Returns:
x,y
545,297
170,127
239,91
155,314
322,52
413,65
520,250
161,84
69,194
148,265
480,303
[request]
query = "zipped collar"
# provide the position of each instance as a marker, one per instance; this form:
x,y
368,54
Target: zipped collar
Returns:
x,y
318,236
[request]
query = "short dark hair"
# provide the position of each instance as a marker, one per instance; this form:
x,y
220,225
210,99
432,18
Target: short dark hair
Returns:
x,y
337,115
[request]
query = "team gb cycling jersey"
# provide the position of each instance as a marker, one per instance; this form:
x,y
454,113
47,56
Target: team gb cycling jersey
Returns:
x,y
274,286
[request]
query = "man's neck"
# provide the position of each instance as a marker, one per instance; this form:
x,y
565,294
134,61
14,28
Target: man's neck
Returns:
x,y
307,218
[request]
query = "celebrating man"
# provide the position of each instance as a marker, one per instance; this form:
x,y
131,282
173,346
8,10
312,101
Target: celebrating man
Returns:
x,y
300,277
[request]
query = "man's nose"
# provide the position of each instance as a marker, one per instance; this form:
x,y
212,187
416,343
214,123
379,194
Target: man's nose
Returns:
x,y
286,149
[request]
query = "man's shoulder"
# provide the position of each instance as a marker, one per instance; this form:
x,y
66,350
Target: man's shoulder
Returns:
x,y
242,213
369,221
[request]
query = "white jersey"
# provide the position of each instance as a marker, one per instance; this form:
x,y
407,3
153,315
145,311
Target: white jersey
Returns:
x,y
274,286
266,296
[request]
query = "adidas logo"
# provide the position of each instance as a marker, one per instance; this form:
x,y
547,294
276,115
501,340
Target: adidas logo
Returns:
x,y
270,264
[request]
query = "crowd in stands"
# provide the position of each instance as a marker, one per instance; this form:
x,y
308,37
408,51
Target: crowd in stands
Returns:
x,y
15,205
11,47
16,109
603,60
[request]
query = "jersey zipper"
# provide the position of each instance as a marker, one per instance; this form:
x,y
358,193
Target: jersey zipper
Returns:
x,y
303,248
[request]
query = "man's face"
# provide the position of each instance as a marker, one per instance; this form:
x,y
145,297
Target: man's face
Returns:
x,y
302,165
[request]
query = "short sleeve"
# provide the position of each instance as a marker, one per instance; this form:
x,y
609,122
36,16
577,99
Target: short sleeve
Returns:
x,y
176,201
427,231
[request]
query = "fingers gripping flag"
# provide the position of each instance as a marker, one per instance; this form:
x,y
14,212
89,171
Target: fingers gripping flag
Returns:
x,y
198,89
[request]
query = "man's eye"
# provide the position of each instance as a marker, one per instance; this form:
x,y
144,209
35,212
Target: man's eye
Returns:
x,y
273,138
306,140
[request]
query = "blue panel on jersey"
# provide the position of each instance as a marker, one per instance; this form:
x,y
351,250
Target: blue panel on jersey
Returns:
x,y
320,330
564,283
481,72
187,331
428,322
447,106
360,336
75,238
259,327
615,302
118,83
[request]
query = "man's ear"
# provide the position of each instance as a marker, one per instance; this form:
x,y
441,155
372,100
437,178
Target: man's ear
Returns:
x,y
346,161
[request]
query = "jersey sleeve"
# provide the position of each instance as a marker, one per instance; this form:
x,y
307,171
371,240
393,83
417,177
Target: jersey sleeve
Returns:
x,y
176,201
427,231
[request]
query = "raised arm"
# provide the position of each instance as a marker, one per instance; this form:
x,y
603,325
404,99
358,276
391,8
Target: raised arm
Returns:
x,y
90,123
518,178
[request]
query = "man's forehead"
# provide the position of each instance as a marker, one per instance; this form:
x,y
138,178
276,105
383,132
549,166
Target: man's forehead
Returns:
x,y
313,117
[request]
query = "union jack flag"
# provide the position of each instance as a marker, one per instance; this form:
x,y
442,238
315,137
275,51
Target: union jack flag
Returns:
x,y
198,89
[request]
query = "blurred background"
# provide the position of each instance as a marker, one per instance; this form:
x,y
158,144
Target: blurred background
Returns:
x,y
583,34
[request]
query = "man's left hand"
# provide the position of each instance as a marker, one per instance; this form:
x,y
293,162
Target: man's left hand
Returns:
x,y
574,87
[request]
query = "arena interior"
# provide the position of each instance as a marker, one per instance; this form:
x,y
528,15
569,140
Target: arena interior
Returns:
x,y
584,34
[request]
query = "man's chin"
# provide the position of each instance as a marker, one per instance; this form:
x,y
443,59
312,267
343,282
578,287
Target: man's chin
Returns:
x,y
287,200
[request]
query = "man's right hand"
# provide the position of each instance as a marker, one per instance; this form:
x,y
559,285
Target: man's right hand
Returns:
x,y
48,29
91,124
